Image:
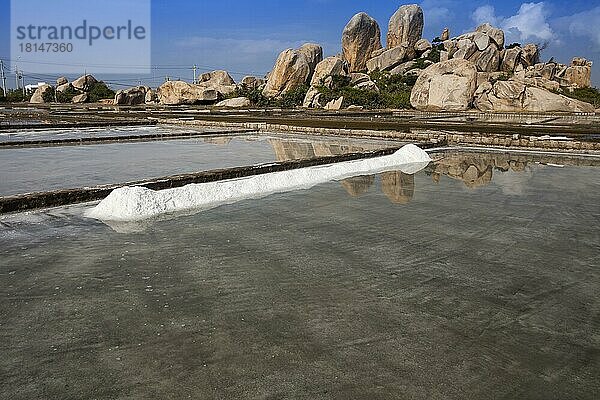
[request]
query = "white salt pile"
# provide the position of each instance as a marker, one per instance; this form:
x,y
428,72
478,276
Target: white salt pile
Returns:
x,y
137,203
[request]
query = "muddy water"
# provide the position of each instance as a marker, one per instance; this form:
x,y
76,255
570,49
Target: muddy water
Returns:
x,y
476,278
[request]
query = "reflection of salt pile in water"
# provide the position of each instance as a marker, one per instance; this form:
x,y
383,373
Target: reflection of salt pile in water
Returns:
x,y
136,203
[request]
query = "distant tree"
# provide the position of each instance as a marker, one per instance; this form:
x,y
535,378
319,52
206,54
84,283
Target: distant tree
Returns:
x,y
17,96
99,91
513,45
49,96
66,96
542,46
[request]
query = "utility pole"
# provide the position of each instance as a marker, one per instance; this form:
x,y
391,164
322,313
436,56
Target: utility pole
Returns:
x,y
3,77
22,82
195,67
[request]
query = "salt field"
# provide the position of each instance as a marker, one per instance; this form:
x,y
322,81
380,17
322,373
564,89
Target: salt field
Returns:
x,y
476,278
32,169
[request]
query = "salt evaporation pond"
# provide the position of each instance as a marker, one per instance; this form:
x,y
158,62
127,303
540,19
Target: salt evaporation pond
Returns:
x,y
24,170
476,278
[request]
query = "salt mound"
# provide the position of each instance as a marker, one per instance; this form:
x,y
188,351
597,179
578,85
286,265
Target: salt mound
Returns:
x,y
137,203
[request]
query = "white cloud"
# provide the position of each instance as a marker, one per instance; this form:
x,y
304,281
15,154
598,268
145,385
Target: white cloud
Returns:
x,y
485,14
437,11
585,25
529,23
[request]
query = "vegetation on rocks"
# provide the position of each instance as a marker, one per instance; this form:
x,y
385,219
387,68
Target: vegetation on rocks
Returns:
x,y
67,95
589,95
49,96
99,91
291,99
394,91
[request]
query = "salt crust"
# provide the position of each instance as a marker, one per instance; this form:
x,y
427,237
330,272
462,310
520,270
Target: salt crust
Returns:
x,y
138,203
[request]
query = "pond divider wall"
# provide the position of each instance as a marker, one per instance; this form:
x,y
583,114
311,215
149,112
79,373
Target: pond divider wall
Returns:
x,y
118,138
540,140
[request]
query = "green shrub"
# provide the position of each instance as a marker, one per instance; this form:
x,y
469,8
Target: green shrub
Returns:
x,y
435,53
99,91
67,95
17,96
352,96
394,91
2,97
49,95
255,95
293,98
589,95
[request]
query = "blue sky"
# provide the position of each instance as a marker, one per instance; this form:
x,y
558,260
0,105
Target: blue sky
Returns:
x,y
244,37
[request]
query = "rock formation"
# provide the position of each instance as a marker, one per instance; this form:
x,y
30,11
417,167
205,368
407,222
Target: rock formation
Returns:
x,y
388,59
219,80
448,85
252,82
84,82
236,102
445,34
331,66
179,92
405,27
515,96
38,95
360,38
132,96
80,98
292,69
314,55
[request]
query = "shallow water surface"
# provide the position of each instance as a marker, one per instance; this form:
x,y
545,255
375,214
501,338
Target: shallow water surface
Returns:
x,y
24,170
477,278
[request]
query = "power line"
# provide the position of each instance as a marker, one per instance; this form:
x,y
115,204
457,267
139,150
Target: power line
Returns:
x,y
206,68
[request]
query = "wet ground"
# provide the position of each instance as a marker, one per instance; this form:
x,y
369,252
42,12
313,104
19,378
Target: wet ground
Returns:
x,y
24,170
477,278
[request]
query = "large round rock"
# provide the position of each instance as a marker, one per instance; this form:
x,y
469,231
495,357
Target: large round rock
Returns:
x,y
405,27
445,86
361,37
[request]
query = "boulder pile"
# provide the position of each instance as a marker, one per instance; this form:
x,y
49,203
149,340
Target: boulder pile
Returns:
x,y
79,90
293,68
475,70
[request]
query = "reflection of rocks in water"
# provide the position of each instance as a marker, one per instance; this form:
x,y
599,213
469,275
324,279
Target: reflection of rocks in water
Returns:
x,y
474,170
220,141
398,186
358,185
517,166
474,176
286,150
